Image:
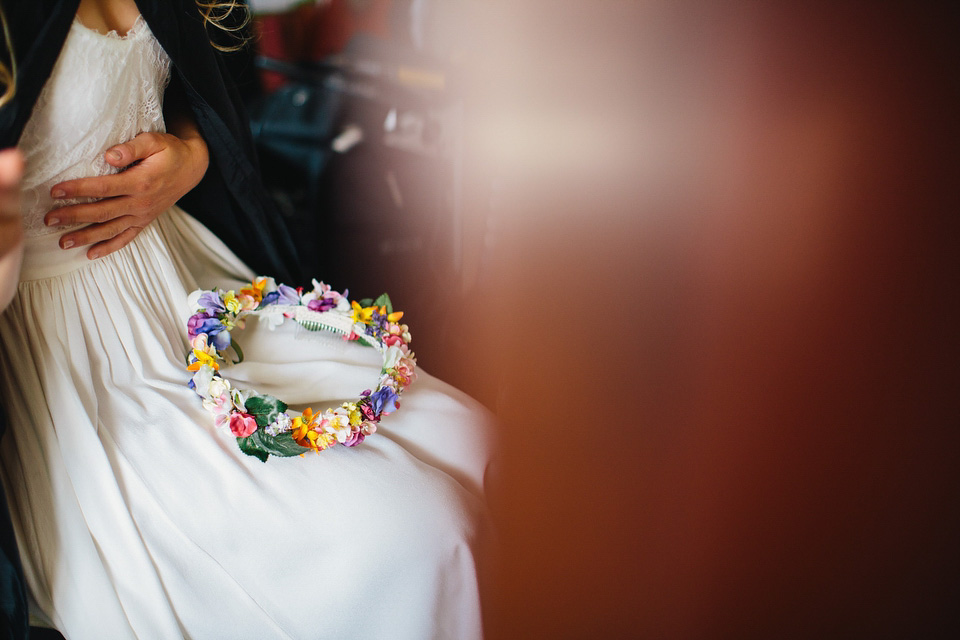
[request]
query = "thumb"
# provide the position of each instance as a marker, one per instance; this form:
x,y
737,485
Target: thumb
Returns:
x,y
137,148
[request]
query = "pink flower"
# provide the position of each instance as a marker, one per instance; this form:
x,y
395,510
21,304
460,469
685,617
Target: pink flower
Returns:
x,y
248,302
367,412
354,438
392,340
405,370
242,425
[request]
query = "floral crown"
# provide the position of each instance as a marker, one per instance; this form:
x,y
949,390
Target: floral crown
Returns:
x,y
261,423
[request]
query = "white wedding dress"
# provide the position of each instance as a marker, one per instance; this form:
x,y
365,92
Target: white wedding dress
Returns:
x,y
136,517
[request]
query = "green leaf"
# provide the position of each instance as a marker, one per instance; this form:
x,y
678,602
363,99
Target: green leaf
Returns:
x,y
249,447
384,301
366,302
264,408
282,445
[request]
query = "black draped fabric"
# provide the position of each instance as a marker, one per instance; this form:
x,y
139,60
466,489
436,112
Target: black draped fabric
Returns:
x,y
230,200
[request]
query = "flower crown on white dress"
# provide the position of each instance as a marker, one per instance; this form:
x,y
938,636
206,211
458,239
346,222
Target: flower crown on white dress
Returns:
x,y
260,422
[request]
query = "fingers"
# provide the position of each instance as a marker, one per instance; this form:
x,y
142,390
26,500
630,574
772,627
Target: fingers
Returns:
x,y
138,148
89,213
117,184
100,233
118,241
122,155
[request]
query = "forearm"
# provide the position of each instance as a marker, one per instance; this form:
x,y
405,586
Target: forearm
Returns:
x,y
181,123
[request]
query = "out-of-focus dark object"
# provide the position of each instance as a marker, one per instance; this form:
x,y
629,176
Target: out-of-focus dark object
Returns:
x,y
312,31
308,32
360,151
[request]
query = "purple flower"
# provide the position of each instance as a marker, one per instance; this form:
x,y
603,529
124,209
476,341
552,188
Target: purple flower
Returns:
x,y
384,401
221,339
323,304
196,323
283,295
288,295
211,303
208,325
216,332
354,439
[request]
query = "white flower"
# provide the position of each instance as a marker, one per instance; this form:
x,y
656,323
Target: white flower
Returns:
x,y
193,300
240,397
387,380
318,290
282,424
202,379
272,317
392,357
270,286
218,387
218,404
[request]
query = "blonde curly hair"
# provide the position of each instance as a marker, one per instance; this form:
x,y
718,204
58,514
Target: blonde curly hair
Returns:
x,y
219,13
8,74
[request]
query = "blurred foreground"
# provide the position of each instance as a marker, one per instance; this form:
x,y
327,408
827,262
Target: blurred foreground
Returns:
x,y
718,319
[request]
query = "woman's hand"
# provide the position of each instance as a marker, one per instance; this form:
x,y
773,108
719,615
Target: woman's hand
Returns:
x,y
160,169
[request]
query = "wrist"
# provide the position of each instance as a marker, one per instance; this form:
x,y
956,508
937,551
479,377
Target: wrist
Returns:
x,y
199,156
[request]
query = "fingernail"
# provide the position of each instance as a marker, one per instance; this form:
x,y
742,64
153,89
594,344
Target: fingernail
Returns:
x,y
94,255
113,155
52,222
67,244
58,193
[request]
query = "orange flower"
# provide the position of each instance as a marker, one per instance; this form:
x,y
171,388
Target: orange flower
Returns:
x,y
255,290
305,431
302,424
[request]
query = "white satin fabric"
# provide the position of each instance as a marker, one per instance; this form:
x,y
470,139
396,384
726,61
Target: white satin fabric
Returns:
x,y
137,518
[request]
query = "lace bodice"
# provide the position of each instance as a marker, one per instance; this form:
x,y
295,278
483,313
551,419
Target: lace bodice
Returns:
x,y
103,90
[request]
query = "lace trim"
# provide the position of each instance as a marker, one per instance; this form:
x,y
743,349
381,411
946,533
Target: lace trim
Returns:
x,y
135,30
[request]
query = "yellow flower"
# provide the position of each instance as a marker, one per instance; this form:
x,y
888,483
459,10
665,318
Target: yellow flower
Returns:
x,y
231,302
203,358
353,412
302,424
396,315
361,314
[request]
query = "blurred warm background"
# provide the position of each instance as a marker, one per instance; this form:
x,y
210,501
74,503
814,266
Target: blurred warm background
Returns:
x,y
699,258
